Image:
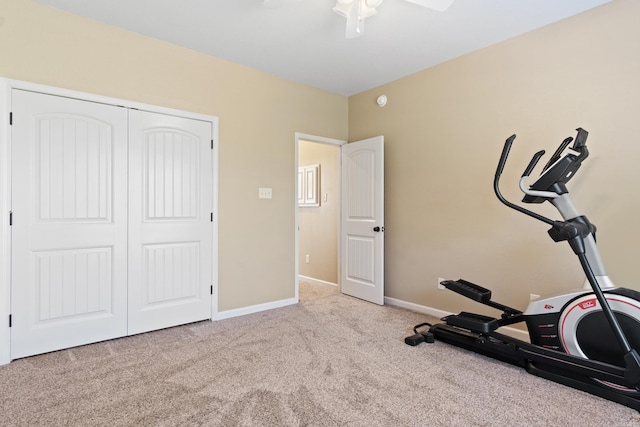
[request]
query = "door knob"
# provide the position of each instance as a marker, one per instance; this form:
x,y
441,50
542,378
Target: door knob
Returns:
x,y
378,229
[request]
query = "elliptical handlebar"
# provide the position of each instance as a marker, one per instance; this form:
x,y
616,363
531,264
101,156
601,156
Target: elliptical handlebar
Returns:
x,y
505,153
496,182
556,173
532,164
556,155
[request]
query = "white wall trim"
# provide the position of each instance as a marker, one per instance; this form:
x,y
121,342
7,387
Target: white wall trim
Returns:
x,y
227,314
512,332
215,187
5,231
315,281
85,96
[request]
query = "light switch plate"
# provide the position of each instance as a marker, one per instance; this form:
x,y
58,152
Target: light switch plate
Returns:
x,y
265,193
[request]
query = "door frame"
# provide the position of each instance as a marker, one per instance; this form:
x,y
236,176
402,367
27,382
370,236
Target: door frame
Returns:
x,y
319,140
6,86
5,231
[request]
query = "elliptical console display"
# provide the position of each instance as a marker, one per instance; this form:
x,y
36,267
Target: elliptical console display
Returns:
x,y
586,338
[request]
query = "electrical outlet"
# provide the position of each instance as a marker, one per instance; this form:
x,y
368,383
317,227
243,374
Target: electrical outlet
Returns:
x,y
307,259
440,279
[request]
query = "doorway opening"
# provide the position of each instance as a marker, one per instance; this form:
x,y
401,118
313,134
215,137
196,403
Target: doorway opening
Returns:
x,y
317,215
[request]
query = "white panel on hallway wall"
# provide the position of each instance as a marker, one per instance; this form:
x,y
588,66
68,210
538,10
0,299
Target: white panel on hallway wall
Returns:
x,y
300,186
309,186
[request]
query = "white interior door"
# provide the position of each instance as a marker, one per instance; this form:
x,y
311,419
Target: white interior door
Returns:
x,y
362,220
170,221
69,222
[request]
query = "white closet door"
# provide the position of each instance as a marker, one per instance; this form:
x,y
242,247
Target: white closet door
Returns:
x,y
170,228
69,233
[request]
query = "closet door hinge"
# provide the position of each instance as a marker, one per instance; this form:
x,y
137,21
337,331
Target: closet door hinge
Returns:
x,y
211,289
211,216
9,320
10,218
212,144
10,119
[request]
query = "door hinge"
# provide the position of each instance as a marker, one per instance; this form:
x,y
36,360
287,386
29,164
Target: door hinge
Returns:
x,y
212,144
9,320
211,289
211,216
10,119
10,218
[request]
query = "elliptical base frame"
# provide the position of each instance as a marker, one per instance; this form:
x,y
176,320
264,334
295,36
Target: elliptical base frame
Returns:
x,y
548,364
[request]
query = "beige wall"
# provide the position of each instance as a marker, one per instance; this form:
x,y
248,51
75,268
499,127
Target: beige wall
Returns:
x,y
444,129
319,225
259,115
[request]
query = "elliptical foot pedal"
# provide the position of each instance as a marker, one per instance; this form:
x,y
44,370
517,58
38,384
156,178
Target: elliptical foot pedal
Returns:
x,y
419,337
468,289
473,322
414,340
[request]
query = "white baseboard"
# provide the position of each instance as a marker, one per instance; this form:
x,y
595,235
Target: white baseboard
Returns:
x,y
512,332
227,314
315,281
430,311
415,307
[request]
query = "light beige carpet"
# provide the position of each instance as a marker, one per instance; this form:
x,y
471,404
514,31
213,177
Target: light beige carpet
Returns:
x,y
331,360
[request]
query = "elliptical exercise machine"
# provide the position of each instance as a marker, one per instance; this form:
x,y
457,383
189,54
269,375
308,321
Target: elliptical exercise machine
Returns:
x,y
587,339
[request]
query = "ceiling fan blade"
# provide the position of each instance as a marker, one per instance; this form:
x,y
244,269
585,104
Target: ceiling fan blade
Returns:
x,y
439,5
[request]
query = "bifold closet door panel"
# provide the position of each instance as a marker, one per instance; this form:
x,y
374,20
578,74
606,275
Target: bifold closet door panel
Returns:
x,y
170,228
69,232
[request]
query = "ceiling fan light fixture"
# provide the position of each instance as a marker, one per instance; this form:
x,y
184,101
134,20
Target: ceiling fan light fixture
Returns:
x,y
343,8
356,11
366,11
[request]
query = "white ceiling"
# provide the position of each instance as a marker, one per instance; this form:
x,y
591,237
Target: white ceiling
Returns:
x,y
303,40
